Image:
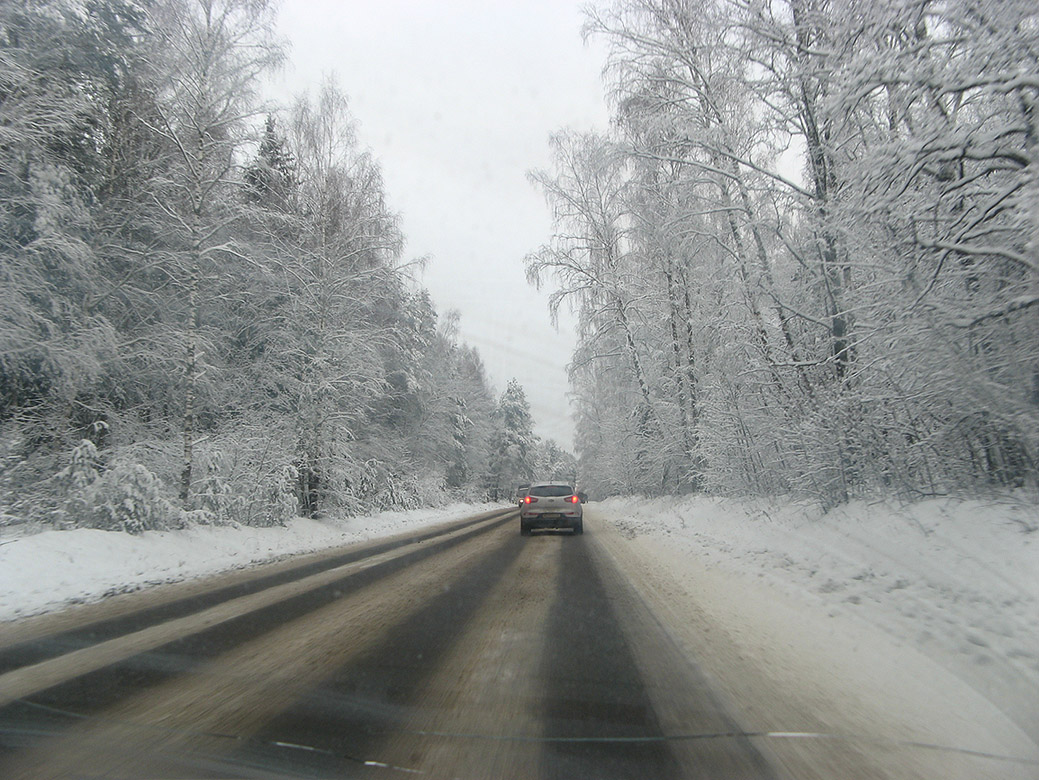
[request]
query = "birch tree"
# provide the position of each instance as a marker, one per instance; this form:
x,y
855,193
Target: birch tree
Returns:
x,y
591,259
210,55
330,256
865,324
944,200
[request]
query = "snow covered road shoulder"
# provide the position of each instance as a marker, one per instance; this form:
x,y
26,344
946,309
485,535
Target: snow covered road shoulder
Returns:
x,y
952,584
43,572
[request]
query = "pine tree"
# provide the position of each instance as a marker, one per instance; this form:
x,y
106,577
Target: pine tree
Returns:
x,y
514,445
271,177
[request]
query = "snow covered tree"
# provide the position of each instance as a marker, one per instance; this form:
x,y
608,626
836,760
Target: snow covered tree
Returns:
x,y
553,462
513,445
470,410
270,180
866,324
211,301
209,57
329,259
60,66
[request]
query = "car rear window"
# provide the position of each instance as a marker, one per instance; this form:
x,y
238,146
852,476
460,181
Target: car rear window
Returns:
x,y
550,491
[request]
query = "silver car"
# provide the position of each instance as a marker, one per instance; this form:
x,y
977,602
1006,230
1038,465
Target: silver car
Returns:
x,y
551,505
521,493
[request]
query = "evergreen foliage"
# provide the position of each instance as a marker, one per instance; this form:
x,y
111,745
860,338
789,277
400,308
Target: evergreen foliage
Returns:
x,y
205,315
514,445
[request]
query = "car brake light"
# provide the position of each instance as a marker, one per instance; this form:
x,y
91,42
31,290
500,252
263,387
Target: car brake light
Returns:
x,y
529,500
574,500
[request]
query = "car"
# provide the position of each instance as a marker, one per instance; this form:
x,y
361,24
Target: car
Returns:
x,y
521,493
551,505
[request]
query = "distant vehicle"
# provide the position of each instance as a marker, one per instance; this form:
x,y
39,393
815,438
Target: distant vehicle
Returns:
x,y
551,505
521,493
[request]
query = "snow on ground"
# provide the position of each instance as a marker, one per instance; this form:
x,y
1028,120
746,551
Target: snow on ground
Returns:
x,y
916,622
42,572
957,581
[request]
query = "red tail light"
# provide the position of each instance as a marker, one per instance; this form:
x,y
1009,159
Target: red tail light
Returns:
x,y
574,500
529,500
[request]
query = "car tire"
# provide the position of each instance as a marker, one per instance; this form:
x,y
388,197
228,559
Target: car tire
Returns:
x,y
579,528
524,530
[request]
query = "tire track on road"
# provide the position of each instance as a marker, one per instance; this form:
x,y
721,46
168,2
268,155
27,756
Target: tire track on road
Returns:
x,y
593,688
19,651
392,689
683,701
58,692
470,715
208,711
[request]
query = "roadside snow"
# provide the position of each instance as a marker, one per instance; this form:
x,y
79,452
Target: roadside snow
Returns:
x,y
46,571
957,581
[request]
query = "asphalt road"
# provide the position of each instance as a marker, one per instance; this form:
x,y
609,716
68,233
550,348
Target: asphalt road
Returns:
x,y
463,652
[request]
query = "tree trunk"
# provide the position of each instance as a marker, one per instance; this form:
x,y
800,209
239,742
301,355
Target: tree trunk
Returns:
x,y
190,379
836,276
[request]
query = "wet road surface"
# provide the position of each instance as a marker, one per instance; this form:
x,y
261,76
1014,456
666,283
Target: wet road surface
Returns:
x,y
464,652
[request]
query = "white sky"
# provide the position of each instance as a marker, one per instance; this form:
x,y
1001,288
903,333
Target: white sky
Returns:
x,y
457,98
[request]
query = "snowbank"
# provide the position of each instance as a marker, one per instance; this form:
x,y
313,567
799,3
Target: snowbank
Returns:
x,y
45,571
958,580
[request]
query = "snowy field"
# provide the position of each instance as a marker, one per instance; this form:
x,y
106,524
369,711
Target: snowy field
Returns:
x,y
954,582
46,571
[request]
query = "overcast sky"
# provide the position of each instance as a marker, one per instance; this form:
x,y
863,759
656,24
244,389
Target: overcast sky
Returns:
x,y
457,98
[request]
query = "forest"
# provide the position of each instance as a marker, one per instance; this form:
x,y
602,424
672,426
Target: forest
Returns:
x,y
206,314
805,258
